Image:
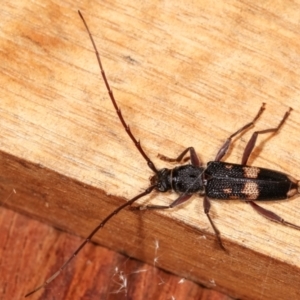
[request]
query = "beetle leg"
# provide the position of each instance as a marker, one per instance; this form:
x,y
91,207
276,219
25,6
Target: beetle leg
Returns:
x,y
223,150
193,156
253,139
206,205
181,199
271,215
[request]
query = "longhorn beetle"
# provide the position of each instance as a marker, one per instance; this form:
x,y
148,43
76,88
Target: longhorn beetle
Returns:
x,y
219,180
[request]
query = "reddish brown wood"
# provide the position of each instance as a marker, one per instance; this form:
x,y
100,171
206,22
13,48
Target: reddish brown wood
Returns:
x,y
31,250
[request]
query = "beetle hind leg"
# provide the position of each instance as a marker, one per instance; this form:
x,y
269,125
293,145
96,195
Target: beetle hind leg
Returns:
x,y
271,215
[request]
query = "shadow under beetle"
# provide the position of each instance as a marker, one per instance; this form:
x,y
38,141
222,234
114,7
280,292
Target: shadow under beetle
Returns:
x,y
219,180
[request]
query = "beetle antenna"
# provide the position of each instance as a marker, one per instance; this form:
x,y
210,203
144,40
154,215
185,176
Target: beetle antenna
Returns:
x,y
111,95
101,225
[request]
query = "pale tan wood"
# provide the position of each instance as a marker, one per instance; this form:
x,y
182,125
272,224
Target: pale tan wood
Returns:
x,y
184,75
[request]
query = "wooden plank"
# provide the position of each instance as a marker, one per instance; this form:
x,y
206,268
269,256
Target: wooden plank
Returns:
x,y
98,273
183,75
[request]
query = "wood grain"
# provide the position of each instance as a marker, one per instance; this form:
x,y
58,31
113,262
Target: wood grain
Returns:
x,y
32,249
184,75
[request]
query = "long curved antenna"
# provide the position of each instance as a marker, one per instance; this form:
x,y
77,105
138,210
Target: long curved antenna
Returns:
x,y
111,95
101,225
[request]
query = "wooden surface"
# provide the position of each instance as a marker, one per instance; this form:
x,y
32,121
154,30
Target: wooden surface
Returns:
x,y
98,273
184,75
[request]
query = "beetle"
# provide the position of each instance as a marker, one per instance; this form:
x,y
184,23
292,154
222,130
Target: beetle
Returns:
x,y
218,180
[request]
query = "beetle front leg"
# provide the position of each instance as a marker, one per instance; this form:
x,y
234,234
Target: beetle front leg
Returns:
x,y
181,199
271,215
193,156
